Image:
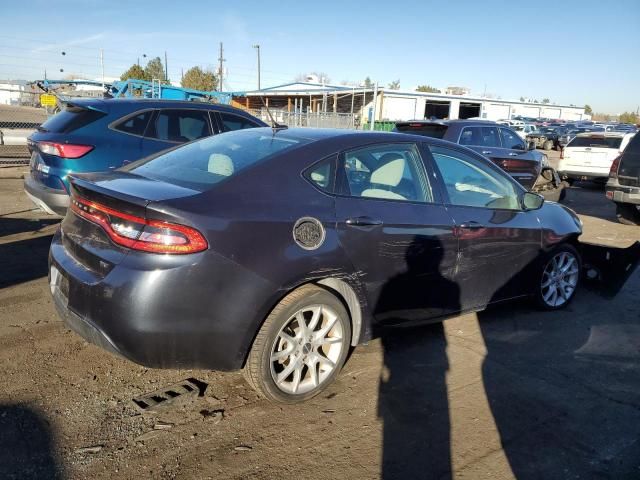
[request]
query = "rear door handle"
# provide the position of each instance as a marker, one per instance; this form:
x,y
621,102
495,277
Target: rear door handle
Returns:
x,y
363,222
487,152
471,225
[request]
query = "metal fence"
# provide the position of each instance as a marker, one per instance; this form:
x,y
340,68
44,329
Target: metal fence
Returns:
x,y
308,119
20,115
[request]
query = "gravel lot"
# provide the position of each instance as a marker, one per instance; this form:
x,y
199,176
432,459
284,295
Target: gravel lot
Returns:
x,y
511,392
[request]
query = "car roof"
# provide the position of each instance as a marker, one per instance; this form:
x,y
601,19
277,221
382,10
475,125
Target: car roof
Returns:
x,y
112,104
320,134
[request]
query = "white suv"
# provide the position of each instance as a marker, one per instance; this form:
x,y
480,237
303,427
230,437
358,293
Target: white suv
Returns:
x,y
589,155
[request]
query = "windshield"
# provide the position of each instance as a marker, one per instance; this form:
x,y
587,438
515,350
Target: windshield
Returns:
x,y
203,163
598,142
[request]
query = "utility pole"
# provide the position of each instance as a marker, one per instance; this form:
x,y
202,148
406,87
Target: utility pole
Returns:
x,y
375,104
220,69
166,67
257,47
102,65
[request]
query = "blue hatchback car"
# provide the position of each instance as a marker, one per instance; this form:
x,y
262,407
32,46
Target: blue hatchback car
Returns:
x,y
92,135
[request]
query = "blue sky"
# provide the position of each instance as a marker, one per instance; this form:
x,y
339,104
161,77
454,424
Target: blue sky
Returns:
x,y
566,50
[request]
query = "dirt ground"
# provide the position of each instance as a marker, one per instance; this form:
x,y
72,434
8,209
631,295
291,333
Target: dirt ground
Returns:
x,y
507,393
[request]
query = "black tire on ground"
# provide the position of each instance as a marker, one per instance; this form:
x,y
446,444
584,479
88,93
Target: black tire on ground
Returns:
x,y
563,194
548,258
257,370
547,145
628,214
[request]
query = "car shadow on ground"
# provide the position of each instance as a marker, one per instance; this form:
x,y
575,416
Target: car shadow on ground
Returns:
x,y
26,445
24,248
563,388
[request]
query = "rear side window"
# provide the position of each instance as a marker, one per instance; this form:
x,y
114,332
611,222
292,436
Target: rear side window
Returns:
x,y
71,118
200,165
322,174
480,136
180,125
596,142
232,122
136,124
511,140
433,131
387,172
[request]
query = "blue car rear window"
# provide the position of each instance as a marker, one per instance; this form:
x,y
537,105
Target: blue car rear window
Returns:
x,y
202,164
71,118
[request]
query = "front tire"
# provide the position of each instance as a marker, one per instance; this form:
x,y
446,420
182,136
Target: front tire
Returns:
x,y
547,145
301,346
628,214
559,278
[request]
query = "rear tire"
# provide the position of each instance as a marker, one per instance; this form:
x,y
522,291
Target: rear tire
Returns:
x,y
628,214
559,278
301,347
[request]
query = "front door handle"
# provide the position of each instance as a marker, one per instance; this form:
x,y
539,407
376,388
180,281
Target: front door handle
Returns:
x,y
363,222
471,225
487,152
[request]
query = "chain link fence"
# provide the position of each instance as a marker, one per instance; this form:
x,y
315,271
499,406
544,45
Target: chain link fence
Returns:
x,y
308,119
20,114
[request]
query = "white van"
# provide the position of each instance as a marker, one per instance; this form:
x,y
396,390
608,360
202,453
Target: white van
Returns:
x,y
589,155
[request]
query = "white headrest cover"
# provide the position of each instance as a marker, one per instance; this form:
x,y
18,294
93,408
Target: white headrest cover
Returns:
x,y
220,165
389,174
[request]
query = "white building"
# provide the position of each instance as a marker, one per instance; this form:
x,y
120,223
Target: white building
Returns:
x,y
394,105
10,93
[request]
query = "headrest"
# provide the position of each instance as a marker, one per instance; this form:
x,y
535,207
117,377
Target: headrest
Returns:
x,y
220,165
390,173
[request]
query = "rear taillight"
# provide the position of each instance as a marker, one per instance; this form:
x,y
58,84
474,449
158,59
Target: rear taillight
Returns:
x,y
613,171
64,150
138,233
509,164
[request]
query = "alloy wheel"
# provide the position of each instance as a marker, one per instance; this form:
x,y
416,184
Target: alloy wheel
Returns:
x,y
307,349
560,279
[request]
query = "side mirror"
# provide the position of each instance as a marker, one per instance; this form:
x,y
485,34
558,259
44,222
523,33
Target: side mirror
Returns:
x,y
531,146
518,146
531,201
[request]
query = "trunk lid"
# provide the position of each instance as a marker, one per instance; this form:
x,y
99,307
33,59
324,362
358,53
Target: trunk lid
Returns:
x,y
130,194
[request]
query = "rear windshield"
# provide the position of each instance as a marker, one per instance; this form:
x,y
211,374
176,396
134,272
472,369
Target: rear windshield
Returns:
x,y
427,130
70,119
599,142
201,164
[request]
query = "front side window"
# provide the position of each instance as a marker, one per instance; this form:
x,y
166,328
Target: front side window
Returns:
x,y
388,171
480,136
235,122
469,182
181,125
511,139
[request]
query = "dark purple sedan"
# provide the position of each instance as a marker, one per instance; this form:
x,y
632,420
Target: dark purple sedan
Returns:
x,y
275,251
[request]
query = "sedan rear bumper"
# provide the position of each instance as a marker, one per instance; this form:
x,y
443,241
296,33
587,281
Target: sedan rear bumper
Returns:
x,y
142,310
